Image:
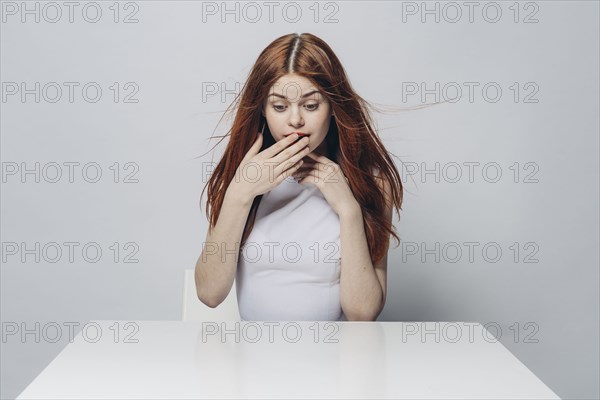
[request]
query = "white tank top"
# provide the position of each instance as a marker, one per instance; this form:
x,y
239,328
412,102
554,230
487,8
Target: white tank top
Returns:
x,y
289,267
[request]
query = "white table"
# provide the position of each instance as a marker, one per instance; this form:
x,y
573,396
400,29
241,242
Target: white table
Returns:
x,y
174,359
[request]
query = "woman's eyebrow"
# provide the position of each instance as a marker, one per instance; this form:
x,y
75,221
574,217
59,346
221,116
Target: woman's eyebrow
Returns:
x,y
306,95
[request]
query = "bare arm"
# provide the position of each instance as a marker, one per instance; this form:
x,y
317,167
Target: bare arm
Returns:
x,y
361,292
363,286
217,265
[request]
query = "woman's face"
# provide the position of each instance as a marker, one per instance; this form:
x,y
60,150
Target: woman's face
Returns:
x,y
295,105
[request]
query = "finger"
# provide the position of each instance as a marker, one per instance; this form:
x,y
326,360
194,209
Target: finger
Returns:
x,y
307,178
255,147
291,170
280,146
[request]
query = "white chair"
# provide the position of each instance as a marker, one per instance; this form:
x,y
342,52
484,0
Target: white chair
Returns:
x,y
195,310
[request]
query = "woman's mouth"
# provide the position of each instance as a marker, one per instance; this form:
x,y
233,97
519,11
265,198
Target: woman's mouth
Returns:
x,y
301,134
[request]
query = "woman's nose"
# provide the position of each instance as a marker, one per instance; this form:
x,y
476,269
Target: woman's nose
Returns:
x,y
296,119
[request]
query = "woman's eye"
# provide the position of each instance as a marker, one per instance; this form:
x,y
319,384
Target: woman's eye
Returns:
x,y
309,107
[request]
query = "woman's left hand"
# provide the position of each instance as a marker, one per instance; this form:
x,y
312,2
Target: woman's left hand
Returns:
x,y
329,178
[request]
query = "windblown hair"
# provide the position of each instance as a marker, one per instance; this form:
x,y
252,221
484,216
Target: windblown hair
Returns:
x,y
355,145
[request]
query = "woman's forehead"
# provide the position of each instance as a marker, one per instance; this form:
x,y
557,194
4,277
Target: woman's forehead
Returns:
x,y
293,84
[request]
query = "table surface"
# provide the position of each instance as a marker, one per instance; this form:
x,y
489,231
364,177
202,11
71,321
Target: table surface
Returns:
x,y
303,359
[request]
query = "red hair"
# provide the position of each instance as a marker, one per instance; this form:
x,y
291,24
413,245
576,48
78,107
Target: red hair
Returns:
x,y
354,144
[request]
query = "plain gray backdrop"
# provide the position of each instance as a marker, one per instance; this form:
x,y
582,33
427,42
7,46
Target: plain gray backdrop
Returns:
x,y
516,161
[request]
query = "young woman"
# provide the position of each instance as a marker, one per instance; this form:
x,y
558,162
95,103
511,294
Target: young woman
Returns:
x,y
302,226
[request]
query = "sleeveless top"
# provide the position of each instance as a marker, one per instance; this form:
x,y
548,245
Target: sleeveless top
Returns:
x,y
289,267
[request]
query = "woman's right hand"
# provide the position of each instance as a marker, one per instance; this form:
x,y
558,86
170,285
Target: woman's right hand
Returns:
x,y
259,173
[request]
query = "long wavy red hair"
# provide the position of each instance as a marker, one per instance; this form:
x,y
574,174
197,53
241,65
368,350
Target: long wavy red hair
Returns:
x,y
355,145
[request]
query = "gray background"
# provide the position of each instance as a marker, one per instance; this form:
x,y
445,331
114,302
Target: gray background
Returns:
x,y
171,52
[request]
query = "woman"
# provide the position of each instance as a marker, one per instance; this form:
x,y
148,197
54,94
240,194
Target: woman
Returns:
x,y
302,226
